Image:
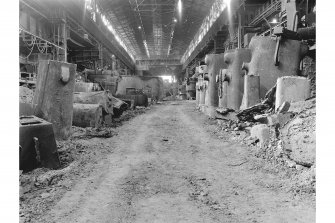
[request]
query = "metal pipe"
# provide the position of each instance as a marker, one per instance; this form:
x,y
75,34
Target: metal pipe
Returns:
x,y
65,41
239,36
58,42
307,33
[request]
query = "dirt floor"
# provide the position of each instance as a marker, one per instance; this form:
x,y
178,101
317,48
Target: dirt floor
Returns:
x,y
167,164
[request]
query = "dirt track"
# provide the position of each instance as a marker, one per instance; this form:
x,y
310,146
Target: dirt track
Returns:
x,y
165,167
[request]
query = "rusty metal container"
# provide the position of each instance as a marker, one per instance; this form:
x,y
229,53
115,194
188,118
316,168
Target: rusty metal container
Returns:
x,y
222,89
37,144
214,62
202,91
263,48
107,82
197,94
203,95
142,100
54,95
231,80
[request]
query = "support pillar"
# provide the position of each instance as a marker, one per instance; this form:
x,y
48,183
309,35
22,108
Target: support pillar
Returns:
x,y
64,37
101,62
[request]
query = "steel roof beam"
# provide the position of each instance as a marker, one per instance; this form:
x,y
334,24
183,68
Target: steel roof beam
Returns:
x,y
76,11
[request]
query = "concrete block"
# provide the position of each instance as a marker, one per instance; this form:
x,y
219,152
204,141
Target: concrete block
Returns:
x,y
37,144
251,94
261,132
292,89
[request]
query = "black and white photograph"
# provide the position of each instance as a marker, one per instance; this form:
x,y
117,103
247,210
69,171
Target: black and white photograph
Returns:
x,y
166,111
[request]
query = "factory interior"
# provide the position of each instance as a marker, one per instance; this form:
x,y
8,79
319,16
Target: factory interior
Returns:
x,y
167,111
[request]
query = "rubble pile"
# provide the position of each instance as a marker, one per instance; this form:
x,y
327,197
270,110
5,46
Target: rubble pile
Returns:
x,y
89,132
41,188
285,138
288,134
280,132
308,71
129,114
312,77
231,125
288,137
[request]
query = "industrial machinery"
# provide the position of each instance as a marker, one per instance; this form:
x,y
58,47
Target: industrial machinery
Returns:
x,y
263,49
53,96
231,80
37,144
190,88
135,95
107,79
279,51
214,64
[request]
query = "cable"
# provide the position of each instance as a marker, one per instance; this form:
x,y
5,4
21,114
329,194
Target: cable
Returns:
x,y
43,48
32,41
30,52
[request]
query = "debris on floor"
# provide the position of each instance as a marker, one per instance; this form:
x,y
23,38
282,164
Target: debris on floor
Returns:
x,y
42,187
167,111
26,95
102,132
280,129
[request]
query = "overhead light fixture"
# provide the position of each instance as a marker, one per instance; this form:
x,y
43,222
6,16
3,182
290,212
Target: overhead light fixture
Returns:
x,y
146,48
227,2
274,20
179,7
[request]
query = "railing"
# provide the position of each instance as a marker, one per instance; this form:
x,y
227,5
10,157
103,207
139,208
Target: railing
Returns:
x,y
266,11
269,31
30,78
40,38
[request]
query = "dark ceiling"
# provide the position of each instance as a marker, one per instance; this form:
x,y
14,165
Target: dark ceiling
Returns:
x,y
156,21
